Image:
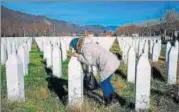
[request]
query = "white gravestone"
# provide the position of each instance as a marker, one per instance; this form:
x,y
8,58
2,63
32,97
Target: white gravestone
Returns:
x,y
167,50
29,42
155,53
95,70
49,55
146,48
151,46
3,54
23,57
172,66
131,65
64,50
75,82
140,47
126,50
9,48
143,80
13,47
177,46
57,64
27,52
45,50
15,78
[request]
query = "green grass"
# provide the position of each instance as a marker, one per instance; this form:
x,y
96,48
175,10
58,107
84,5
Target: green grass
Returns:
x,y
40,99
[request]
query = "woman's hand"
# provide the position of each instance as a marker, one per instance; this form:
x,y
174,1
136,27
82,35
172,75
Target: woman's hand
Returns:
x,y
75,54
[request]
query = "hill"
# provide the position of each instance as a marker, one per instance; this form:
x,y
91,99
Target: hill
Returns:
x,y
16,23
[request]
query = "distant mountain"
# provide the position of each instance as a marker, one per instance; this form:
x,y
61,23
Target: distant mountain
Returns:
x,y
98,29
112,28
16,23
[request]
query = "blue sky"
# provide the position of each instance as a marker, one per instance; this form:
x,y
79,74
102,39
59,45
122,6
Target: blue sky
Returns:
x,y
98,13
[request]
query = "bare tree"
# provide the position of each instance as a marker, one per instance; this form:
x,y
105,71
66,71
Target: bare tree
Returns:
x,y
169,22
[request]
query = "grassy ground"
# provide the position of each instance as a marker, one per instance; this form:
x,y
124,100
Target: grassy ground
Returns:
x,y
44,93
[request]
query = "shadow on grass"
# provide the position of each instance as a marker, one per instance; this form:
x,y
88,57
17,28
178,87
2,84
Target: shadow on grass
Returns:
x,y
120,73
44,62
48,71
161,58
41,55
100,100
118,56
156,74
95,96
59,86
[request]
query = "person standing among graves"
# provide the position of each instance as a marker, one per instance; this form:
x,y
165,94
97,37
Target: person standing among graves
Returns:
x,y
106,62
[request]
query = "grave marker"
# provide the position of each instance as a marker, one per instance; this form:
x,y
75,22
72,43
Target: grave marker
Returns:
x,y
75,82
14,78
167,50
23,57
172,66
131,65
143,80
57,64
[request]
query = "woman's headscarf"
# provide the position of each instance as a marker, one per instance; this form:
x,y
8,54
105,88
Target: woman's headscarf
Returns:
x,y
73,43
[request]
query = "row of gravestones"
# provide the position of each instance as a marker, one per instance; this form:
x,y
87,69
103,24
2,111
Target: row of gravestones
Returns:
x,y
140,73
53,49
146,45
172,62
15,55
143,71
54,52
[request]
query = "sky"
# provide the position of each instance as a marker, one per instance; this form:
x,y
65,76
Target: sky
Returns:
x,y
96,13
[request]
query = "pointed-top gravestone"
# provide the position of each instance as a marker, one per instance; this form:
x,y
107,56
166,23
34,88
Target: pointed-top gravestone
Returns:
x,y
151,46
23,57
126,50
9,48
176,44
45,50
13,47
57,62
143,80
172,66
49,55
140,47
75,82
3,54
146,49
29,43
131,65
168,47
15,78
64,50
155,53
26,52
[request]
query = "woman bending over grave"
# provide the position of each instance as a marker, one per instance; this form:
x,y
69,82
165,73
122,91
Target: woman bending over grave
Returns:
x,y
107,63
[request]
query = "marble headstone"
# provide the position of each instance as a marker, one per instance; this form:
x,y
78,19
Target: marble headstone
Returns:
x,y
23,57
168,47
142,84
172,66
131,65
75,82
15,78
57,62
